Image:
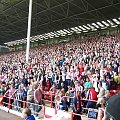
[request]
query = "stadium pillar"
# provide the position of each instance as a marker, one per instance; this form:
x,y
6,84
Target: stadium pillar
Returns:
x,y
29,31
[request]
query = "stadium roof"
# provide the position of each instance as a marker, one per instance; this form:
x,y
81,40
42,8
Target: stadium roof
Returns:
x,y
55,16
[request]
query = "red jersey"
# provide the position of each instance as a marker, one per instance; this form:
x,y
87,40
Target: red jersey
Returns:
x,y
92,94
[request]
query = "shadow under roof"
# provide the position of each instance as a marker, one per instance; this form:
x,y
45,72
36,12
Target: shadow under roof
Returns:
x,y
52,15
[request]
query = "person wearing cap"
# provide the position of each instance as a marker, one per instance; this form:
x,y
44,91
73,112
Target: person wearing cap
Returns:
x,y
113,106
26,113
88,84
91,96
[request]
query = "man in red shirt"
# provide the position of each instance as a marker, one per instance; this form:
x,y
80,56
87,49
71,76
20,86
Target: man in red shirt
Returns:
x,y
80,68
91,95
38,100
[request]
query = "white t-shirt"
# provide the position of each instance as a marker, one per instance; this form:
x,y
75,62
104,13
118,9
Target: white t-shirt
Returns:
x,y
79,88
68,76
63,76
95,85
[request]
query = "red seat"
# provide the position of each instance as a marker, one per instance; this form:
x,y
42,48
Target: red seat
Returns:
x,y
1,100
113,92
118,87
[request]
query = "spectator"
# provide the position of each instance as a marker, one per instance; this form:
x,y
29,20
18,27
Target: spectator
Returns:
x,y
38,100
68,78
16,84
107,95
95,82
63,104
57,102
18,98
112,107
2,89
91,95
53,89
100,103
105,83
116,78
77,106
24,92
30,95
9,94
103,114
88,84
68,99
27,114
25,81
63,86
101,91
79,87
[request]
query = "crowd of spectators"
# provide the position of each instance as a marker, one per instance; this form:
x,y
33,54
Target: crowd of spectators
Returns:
x,y
79,69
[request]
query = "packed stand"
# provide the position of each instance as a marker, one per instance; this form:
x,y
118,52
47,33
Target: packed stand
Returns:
x,y
72,72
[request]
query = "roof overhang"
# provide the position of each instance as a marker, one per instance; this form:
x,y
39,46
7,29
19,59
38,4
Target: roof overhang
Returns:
x,y
53,17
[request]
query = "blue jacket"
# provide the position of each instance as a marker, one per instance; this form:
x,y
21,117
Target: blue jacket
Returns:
x,y
30,118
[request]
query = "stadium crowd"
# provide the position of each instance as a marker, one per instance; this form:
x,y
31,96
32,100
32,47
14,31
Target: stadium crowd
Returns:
x,y
79,69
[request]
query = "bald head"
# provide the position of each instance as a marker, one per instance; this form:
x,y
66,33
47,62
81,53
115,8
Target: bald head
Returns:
x,y
26,113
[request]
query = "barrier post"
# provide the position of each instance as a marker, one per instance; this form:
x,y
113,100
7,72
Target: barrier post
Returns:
x,y
55,111
1,100
9,103
44,112
51,104
72,115
24,104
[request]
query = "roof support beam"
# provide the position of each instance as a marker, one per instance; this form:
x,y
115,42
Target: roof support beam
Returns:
x,y
13,5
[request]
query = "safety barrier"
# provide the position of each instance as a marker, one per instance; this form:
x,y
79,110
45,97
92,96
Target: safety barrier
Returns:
x,y
18,105
71,114
52,95
47,112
